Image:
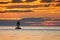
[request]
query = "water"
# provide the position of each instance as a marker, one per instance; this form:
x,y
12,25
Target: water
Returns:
x,y
28,34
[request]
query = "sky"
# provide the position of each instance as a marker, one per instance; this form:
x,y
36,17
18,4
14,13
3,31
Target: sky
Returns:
x,y
53,12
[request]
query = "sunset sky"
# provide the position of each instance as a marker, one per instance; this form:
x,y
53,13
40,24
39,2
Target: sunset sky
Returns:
x,y
51,11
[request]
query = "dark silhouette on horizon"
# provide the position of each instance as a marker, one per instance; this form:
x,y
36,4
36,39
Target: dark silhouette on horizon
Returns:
x,y
18,24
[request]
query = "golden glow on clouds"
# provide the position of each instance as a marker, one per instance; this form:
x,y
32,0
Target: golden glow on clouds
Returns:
x,y
50,11
10,18
5,0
